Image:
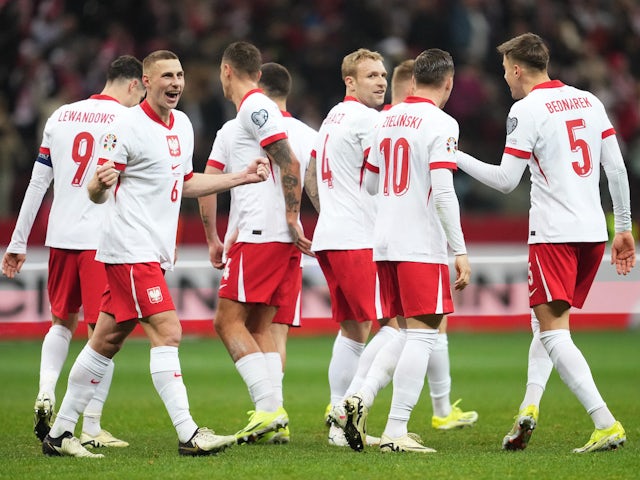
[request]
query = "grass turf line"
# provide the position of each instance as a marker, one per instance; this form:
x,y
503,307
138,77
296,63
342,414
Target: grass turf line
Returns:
x,y
488,373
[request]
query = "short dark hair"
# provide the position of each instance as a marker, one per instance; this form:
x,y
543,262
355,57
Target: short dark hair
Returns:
x,y
156,56
527,48
275,80
432,67
125,67
243,57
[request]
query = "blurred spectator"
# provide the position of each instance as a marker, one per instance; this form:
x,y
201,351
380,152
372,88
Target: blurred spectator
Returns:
x,y
55,51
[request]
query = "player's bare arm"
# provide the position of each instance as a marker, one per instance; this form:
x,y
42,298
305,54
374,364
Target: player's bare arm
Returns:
x,y
201,184
208,213
281,154
311,184
105,177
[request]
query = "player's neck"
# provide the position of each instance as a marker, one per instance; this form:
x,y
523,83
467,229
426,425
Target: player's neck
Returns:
x,y
532,80
240,92
436,95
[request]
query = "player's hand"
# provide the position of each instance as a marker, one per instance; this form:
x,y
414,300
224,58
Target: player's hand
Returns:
x,y
258,170
216,250
12,263
107,175
302,242
623,252
463,272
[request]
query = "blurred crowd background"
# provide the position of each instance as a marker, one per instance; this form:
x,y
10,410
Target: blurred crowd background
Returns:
x,y
57,51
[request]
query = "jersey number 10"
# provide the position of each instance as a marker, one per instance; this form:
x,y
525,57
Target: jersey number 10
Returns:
x,y
396,166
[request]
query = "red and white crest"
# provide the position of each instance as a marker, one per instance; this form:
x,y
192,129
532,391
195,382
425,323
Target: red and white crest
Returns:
x,y
174,145
154,294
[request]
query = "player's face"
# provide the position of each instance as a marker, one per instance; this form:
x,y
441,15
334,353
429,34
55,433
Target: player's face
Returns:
x,y
165,84
511,77
370,83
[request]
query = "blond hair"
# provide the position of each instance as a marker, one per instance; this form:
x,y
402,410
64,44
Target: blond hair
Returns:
x,y
402,74
351,61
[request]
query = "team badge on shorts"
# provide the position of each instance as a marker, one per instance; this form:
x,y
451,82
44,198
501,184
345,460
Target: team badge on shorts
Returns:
x,y
512,123
174,145
260,117
452,145
109,142
154,294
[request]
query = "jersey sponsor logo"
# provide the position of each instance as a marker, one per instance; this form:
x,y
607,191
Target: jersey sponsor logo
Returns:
x,y
512,123
109,142
154,294
173,167
174,145
532,292
94,381
452,145
260,117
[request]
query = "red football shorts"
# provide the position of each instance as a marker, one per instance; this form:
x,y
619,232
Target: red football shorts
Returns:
x,y
352,279
75,278
135,290
290,313
413,288
563,271
266,273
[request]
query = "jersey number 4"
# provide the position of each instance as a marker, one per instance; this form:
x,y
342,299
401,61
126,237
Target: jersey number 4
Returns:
x,y
396,165
81,154
325,169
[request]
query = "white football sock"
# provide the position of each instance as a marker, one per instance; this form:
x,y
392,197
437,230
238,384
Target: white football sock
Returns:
x,y
166,374
576,374
254,371
343,366
382,368
55,348
439,377
274,364
85,376
379,340
93,412
539,368
408,379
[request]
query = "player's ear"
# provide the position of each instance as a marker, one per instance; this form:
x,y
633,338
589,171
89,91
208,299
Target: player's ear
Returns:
x,y
349,81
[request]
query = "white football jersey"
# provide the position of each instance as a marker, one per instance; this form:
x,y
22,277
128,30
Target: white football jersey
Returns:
x,y
154,160
71,141
259,207
559,129
347,211
412,139
301,138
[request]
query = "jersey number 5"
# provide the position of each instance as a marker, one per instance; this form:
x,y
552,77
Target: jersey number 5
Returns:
x,y
583,168
396,166
82,153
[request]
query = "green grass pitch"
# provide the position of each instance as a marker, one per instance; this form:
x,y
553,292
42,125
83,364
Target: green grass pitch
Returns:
x,y
488,372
